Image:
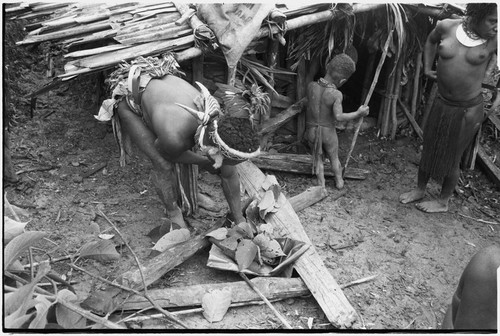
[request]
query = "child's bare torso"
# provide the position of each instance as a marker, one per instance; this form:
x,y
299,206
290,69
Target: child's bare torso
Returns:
x,y
320,105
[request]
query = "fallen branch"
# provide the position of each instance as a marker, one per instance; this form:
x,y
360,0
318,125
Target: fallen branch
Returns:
x,y
194,311
479,220
95,169
29,170
277,313
160,309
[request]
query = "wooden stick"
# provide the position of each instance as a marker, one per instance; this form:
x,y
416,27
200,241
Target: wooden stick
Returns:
x,y
412,120
479,220
368,96
359,281
167,314
277,313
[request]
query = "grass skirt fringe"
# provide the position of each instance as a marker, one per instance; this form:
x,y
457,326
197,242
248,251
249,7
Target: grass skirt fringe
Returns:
x,y
443,135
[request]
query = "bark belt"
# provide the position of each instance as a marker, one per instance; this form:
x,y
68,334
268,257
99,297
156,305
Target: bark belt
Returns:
x,y
133,82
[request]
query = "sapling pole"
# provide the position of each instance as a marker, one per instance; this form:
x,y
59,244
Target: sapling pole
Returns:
x,y
368,96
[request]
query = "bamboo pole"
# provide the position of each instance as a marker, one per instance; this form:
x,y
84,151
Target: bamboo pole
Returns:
x,y
314,18
368,96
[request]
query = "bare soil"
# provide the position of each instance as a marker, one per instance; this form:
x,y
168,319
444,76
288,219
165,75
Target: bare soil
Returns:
x,y
418,257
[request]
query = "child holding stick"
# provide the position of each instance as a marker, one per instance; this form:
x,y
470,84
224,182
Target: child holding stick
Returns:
x,y
324,110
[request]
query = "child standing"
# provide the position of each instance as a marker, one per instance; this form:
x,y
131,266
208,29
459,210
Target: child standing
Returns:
x,y
324,110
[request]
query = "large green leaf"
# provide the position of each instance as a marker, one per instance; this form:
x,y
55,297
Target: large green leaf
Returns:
x,y
216,303
42,306
100,250
65,317
19,244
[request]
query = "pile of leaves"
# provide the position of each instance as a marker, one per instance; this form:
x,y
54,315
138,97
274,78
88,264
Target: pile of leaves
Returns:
x,y
26,304
253,247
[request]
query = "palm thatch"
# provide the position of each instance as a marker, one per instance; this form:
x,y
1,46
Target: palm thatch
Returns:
x,y
97,37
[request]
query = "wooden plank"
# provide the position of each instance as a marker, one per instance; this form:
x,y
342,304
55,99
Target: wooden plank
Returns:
x,y
307,198
145,49
271,125
156,267
171,297
490,168
310,266
302,164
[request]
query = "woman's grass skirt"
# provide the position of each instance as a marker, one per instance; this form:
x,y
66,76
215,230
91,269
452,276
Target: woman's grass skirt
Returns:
x,y
450,128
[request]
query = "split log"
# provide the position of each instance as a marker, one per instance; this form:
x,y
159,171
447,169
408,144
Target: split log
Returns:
x,y
271,125
302,164
75,31
310,266
490,168
94,51
115,57
156,34
307,198
143,25
274,288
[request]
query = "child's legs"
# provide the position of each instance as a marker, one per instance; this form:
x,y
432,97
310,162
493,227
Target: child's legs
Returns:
x,y
331,147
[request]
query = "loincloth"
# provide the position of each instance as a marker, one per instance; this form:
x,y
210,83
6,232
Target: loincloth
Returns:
x,y
317,144
445,134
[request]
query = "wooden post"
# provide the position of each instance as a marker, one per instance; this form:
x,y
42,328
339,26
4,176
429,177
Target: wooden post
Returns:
x,y
310,266
416,84
198,75
301,93
395,95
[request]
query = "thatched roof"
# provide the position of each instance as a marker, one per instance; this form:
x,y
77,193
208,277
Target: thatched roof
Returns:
x,y
97,36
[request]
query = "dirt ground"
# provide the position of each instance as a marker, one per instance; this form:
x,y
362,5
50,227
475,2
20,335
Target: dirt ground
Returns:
x,y
417,257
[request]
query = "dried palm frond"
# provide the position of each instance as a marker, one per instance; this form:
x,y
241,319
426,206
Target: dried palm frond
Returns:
x,y
153,66
309,42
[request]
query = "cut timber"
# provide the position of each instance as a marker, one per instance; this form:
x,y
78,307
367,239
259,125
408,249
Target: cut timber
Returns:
x,y
273,124
274,288
491,170
310,267
302,164
307,198
156,267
